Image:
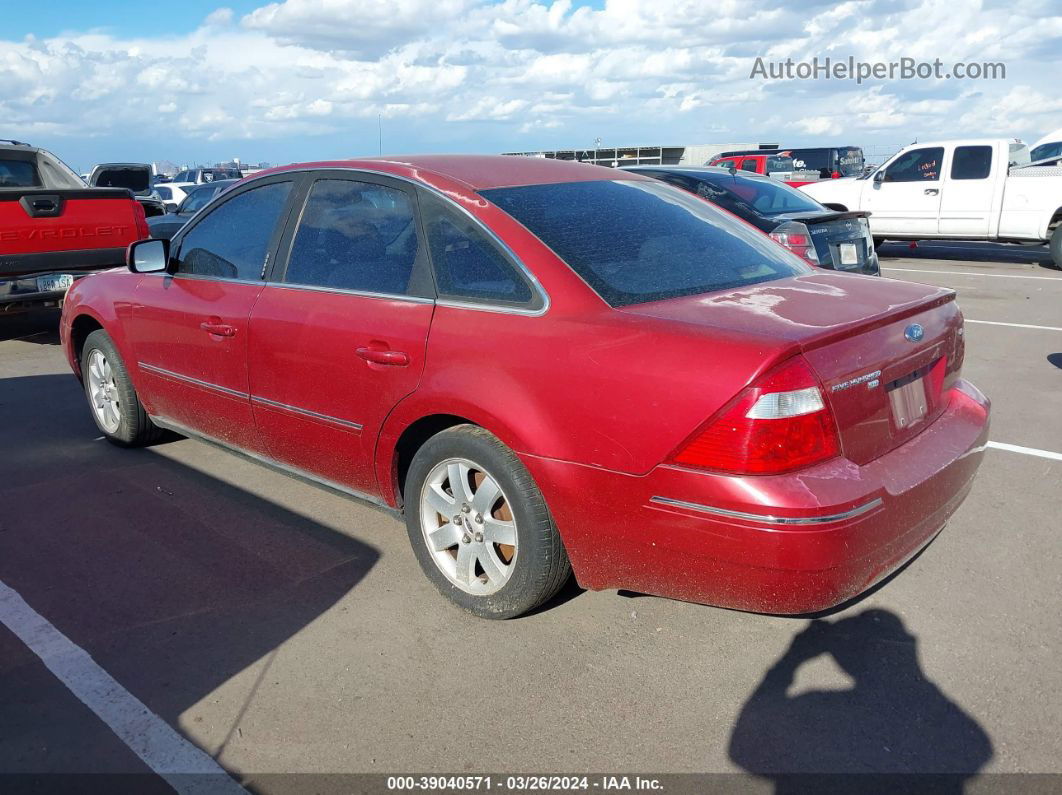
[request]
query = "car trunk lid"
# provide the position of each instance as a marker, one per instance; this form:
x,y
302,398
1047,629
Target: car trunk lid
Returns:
x,y
884,379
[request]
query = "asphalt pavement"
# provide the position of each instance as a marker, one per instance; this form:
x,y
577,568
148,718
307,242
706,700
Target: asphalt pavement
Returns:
x,y
282,628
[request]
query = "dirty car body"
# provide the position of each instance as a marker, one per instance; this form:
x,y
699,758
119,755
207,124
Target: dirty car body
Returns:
x,y
706,416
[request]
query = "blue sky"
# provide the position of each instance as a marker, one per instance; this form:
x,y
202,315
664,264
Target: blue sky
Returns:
x,y
202,80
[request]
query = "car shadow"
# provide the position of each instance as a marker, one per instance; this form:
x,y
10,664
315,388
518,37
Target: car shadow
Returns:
x,y
968,251
1055,359
173,580
892,730
39,326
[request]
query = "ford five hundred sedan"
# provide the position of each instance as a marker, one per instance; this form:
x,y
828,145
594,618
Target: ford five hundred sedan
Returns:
x,y
548,367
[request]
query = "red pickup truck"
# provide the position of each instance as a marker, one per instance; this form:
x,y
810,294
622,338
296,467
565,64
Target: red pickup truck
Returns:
x,y
54,229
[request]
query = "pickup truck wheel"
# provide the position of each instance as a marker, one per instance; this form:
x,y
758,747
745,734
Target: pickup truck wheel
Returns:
x,y
480,527
878,242
1055,246
111,397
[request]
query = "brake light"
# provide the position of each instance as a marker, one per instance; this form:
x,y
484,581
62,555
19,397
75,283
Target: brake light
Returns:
x,y
778,424
796,237
140,219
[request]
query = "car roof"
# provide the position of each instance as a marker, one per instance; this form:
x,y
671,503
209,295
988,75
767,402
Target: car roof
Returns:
x,y
477,172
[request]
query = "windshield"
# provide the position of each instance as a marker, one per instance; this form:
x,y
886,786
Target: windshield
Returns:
x,y
18,174
638,241
1044,151
760,196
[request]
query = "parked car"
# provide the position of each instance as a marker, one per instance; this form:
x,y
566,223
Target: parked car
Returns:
x,y
171,195
54,229
166,226
778,166
970,189
548,366
823,237
830,162
189,178
133,176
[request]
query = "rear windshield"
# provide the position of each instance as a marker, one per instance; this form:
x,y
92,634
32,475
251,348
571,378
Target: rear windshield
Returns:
x,y
138,180
210,175
18,174
638,241
761,196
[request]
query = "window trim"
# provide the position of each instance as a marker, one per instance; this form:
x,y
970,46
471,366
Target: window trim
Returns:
x,y
536,305
309,175
237,190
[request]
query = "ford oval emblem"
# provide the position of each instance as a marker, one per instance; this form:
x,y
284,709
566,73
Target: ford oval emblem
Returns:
x,y
914,333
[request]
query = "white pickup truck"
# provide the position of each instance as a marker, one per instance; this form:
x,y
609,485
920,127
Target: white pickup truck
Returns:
x,y
978,189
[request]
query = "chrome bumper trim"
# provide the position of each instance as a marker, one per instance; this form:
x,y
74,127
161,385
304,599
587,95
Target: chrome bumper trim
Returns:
x,y
767,518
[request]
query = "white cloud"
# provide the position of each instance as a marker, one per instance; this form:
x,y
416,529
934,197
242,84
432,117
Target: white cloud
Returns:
x,y
633,71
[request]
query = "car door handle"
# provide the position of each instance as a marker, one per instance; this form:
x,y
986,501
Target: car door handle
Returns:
x,y
376,356
931,191
220,329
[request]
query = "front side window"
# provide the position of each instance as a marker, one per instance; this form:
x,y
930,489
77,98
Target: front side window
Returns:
x,y
197,199
971,162
231,241
918,165
355,236
635,241
468,265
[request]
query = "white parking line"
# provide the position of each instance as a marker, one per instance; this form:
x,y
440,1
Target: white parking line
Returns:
x,y
1015,325
1013,448
974,273
158,745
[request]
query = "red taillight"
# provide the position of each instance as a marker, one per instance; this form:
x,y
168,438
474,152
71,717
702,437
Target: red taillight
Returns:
x,y
140,219
778,424
796,237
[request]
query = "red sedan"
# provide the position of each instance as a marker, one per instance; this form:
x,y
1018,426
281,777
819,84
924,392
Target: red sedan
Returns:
x,y
547,367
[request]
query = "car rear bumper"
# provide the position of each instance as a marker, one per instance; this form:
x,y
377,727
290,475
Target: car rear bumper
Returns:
x,y
27,289
793,543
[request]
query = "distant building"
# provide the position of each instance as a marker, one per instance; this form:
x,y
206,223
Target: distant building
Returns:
x,y
656,155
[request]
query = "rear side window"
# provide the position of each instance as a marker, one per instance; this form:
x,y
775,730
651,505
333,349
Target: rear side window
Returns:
x,y
971,162
918,165
468,264
638,241
231,242
355,236
18,174
748,164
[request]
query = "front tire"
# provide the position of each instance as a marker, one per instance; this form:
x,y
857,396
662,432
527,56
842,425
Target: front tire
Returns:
x,y
1055,246
112,400
878,242
480,527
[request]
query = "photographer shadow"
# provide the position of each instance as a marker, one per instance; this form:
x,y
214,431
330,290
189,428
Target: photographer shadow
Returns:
x,y
892,731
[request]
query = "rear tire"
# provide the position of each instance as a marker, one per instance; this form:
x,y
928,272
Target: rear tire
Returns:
x,y
878,242
1055,246
479,526
113,402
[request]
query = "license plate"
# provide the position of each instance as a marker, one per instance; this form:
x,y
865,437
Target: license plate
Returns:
x,y
909,403
849,255
49,284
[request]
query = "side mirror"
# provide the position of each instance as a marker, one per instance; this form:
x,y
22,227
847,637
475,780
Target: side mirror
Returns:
x,y
879,175
148,256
